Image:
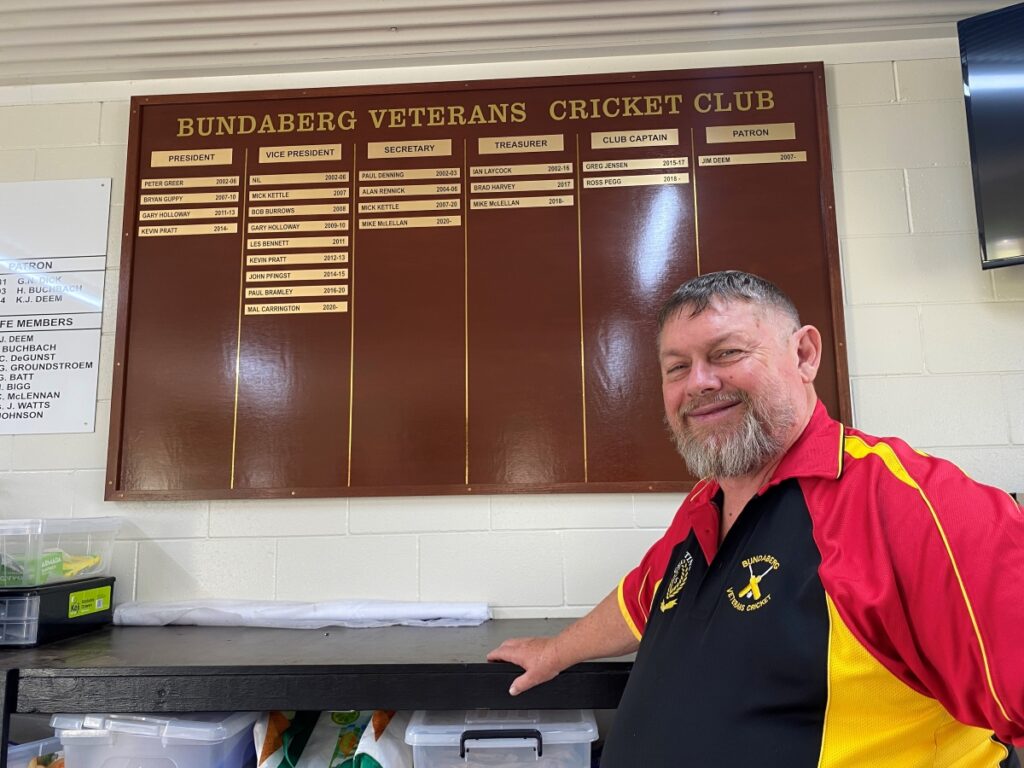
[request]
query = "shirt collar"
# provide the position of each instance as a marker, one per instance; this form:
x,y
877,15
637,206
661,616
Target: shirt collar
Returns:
x,y
818,452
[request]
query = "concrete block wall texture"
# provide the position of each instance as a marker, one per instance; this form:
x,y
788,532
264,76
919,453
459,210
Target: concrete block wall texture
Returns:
x,y
936,350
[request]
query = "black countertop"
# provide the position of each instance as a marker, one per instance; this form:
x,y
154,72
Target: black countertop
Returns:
x,y
191,669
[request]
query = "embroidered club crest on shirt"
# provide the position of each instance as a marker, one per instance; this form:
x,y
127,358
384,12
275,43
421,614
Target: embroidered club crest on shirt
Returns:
x,y
753,593
675,585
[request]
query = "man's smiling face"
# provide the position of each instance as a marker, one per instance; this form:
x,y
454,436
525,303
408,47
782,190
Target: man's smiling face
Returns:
x,y
730,382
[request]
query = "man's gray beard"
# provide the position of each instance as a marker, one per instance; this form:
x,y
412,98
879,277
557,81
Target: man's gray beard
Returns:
x,y
743,449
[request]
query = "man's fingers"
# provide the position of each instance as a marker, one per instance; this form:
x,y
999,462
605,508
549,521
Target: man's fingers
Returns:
x,y
527,653
507,651
520,684
504,652
498,654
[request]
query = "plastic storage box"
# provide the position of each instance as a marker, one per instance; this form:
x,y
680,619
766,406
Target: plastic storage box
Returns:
x,y
498,738
35,552
43,614
32,741
202,740
43,752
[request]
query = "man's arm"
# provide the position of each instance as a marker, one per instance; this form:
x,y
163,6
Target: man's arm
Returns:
x,y
932,588
602,632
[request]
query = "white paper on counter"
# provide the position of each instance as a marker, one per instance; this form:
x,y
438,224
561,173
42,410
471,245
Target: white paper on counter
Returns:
x,y
297,615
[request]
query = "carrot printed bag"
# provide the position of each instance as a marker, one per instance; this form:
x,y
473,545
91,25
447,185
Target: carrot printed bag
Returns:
x,y
309,739
383,742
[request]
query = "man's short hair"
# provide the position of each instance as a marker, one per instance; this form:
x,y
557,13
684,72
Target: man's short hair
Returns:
x,y
696,294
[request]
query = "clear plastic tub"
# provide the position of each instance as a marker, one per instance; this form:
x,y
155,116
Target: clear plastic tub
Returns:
x,y
500,738
201,740
48,551
43,752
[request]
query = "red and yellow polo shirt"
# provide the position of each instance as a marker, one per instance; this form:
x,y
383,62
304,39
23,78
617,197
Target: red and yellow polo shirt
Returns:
x,y
866,609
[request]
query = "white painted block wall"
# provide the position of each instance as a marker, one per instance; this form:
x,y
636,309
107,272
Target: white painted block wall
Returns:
x,y
936,352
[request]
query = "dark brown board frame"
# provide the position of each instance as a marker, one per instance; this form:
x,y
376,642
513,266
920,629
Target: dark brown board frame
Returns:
x,y
470,276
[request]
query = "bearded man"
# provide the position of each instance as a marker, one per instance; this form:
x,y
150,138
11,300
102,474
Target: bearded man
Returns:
x,y
823,598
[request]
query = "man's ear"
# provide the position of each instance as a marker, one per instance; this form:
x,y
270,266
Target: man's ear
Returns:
x,y
808,352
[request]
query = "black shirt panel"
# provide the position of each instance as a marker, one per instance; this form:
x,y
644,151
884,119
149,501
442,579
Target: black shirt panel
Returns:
x,y
1011,761
732,667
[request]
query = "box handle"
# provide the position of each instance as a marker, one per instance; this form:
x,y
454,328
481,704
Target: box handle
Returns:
x,y
521,733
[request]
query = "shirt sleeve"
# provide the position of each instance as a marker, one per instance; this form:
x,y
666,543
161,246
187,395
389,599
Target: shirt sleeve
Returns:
x,y
950,566
637,588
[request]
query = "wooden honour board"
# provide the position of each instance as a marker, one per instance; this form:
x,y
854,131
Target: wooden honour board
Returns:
x,y
448,287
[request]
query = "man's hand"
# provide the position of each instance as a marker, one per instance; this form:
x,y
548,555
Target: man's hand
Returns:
x,y
536,655
600,634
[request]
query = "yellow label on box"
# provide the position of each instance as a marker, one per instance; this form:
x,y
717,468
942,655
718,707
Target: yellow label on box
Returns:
x,y
87,601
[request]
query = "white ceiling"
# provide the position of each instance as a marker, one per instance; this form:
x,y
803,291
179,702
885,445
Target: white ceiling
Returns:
x,y
55,41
